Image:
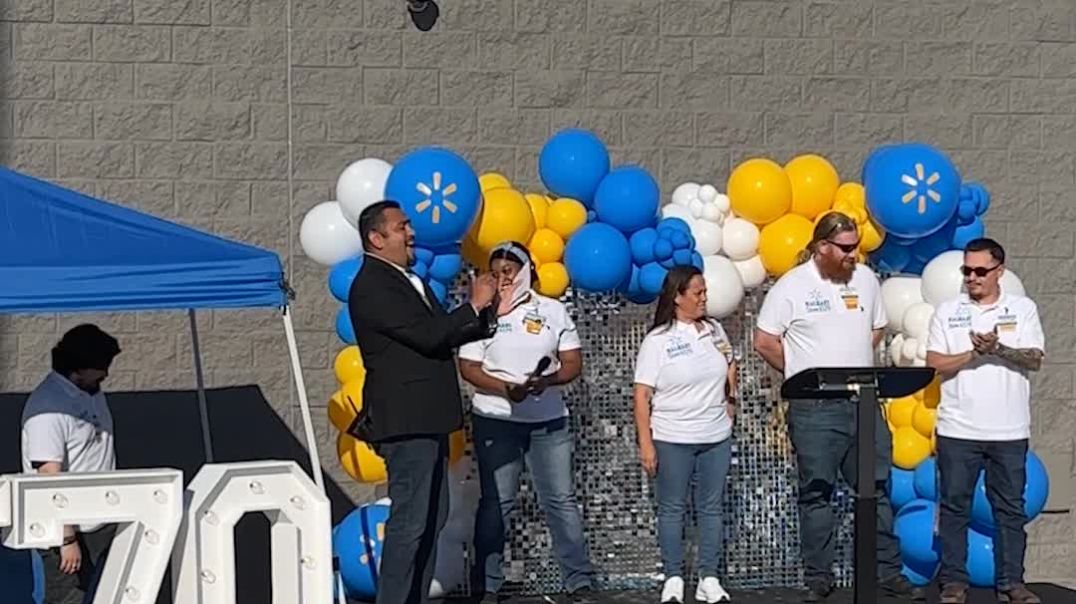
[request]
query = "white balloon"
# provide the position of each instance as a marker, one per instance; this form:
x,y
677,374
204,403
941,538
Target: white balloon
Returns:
x,y
707,193
1011,284
898,295
707,237
921,350
673,210
895,349
739,239
711,213
907,350
919,362
683,194
941,277
724,288
360,185
916,322
752,272
325,235
696,206
722,202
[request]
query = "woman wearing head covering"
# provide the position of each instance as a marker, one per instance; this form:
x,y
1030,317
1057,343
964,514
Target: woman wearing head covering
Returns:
x,y
520,416
685,384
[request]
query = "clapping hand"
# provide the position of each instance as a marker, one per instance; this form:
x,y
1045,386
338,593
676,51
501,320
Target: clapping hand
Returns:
x,y
985,343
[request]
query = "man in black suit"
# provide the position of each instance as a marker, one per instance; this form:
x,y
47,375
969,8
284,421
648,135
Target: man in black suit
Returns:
x,y
411,398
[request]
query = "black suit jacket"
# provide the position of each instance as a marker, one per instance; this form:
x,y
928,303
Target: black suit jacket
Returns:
x,y
408,348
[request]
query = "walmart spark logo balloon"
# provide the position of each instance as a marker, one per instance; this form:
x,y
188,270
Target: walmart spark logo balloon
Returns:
x,y
913,190
439,191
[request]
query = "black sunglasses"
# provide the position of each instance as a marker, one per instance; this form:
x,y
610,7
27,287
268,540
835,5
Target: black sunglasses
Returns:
x,y
847,248
978,271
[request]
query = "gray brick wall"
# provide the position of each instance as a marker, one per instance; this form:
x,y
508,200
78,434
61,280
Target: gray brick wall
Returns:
x,y
180,108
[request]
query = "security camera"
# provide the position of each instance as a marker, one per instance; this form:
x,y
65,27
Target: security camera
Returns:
x,y
423,13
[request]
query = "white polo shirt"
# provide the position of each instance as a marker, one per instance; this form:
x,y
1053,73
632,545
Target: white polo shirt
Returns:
x,y
539,327
687,366
822,323
62,423
988,399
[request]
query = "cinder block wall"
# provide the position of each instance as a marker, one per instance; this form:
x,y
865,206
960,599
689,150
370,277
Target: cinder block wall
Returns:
x,y
181,108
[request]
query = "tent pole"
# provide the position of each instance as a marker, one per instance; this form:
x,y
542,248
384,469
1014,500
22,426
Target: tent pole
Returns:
x,y
304,404
203,408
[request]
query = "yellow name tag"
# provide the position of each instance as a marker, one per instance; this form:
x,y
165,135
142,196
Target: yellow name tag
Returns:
x,y
1007,327
851,301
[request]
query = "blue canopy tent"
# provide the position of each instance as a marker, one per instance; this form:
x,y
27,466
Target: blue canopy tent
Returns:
x,y
62,251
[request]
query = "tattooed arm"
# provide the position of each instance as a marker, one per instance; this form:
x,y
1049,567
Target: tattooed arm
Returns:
x,y
1029,359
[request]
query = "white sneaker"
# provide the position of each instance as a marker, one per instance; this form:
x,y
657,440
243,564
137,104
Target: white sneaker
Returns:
x,y
673,591
711,592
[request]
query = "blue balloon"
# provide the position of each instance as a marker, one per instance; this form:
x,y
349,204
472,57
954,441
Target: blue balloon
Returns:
x,y
642,246
675,224
928,248
573,163
424,255
979,196
652,277
696,261
901,487
682,257
344,330
966,233
598,258
668,263
914,267
680,240
914,527
904,241
439,291
663,249
912,189
357,545
890,257
1036,491
966,211
438,191
420,269
445,267
341,275
980,565
628,199
591,215
926,479
915,577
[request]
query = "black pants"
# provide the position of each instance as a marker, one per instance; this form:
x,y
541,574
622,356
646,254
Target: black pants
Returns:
x,y
959,463
418,487
79,587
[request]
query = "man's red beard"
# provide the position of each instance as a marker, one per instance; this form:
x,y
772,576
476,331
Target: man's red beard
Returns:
x,y
834,270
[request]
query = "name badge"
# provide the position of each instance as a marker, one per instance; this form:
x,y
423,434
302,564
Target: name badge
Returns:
x,y
850,297
1006,323
533,322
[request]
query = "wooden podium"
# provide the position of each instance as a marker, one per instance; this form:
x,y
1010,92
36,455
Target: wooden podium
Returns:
x,y
861,386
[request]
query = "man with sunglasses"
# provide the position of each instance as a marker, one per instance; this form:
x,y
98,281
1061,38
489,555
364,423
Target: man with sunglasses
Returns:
x,y
67,427
828,312
983,345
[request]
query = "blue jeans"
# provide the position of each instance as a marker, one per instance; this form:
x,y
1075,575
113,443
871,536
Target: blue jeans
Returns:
x,y
501,448
823,434
678,466
959,462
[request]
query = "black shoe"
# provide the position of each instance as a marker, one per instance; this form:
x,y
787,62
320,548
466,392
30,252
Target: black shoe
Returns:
x,y
583,595
817,592
900,587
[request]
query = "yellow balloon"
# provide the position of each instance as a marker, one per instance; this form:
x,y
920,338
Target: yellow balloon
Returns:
x,y
759,191
910,448
852,194
359,460
871,235
901,411
493,180
923,420
565,217
474,254
539,208
340,412
505,216
552,279
931,395
348,365
781,241
814,182
546,246
457,446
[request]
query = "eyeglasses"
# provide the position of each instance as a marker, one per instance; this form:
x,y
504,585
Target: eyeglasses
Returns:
x,y
978,271
847,248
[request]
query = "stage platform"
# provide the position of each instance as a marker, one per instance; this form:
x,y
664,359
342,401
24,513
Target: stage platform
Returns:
x,y
1050,594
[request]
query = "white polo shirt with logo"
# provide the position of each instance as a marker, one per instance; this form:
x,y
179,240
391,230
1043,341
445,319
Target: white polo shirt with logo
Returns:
x,y
989,398
539,327
687,365
64,424
822,323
